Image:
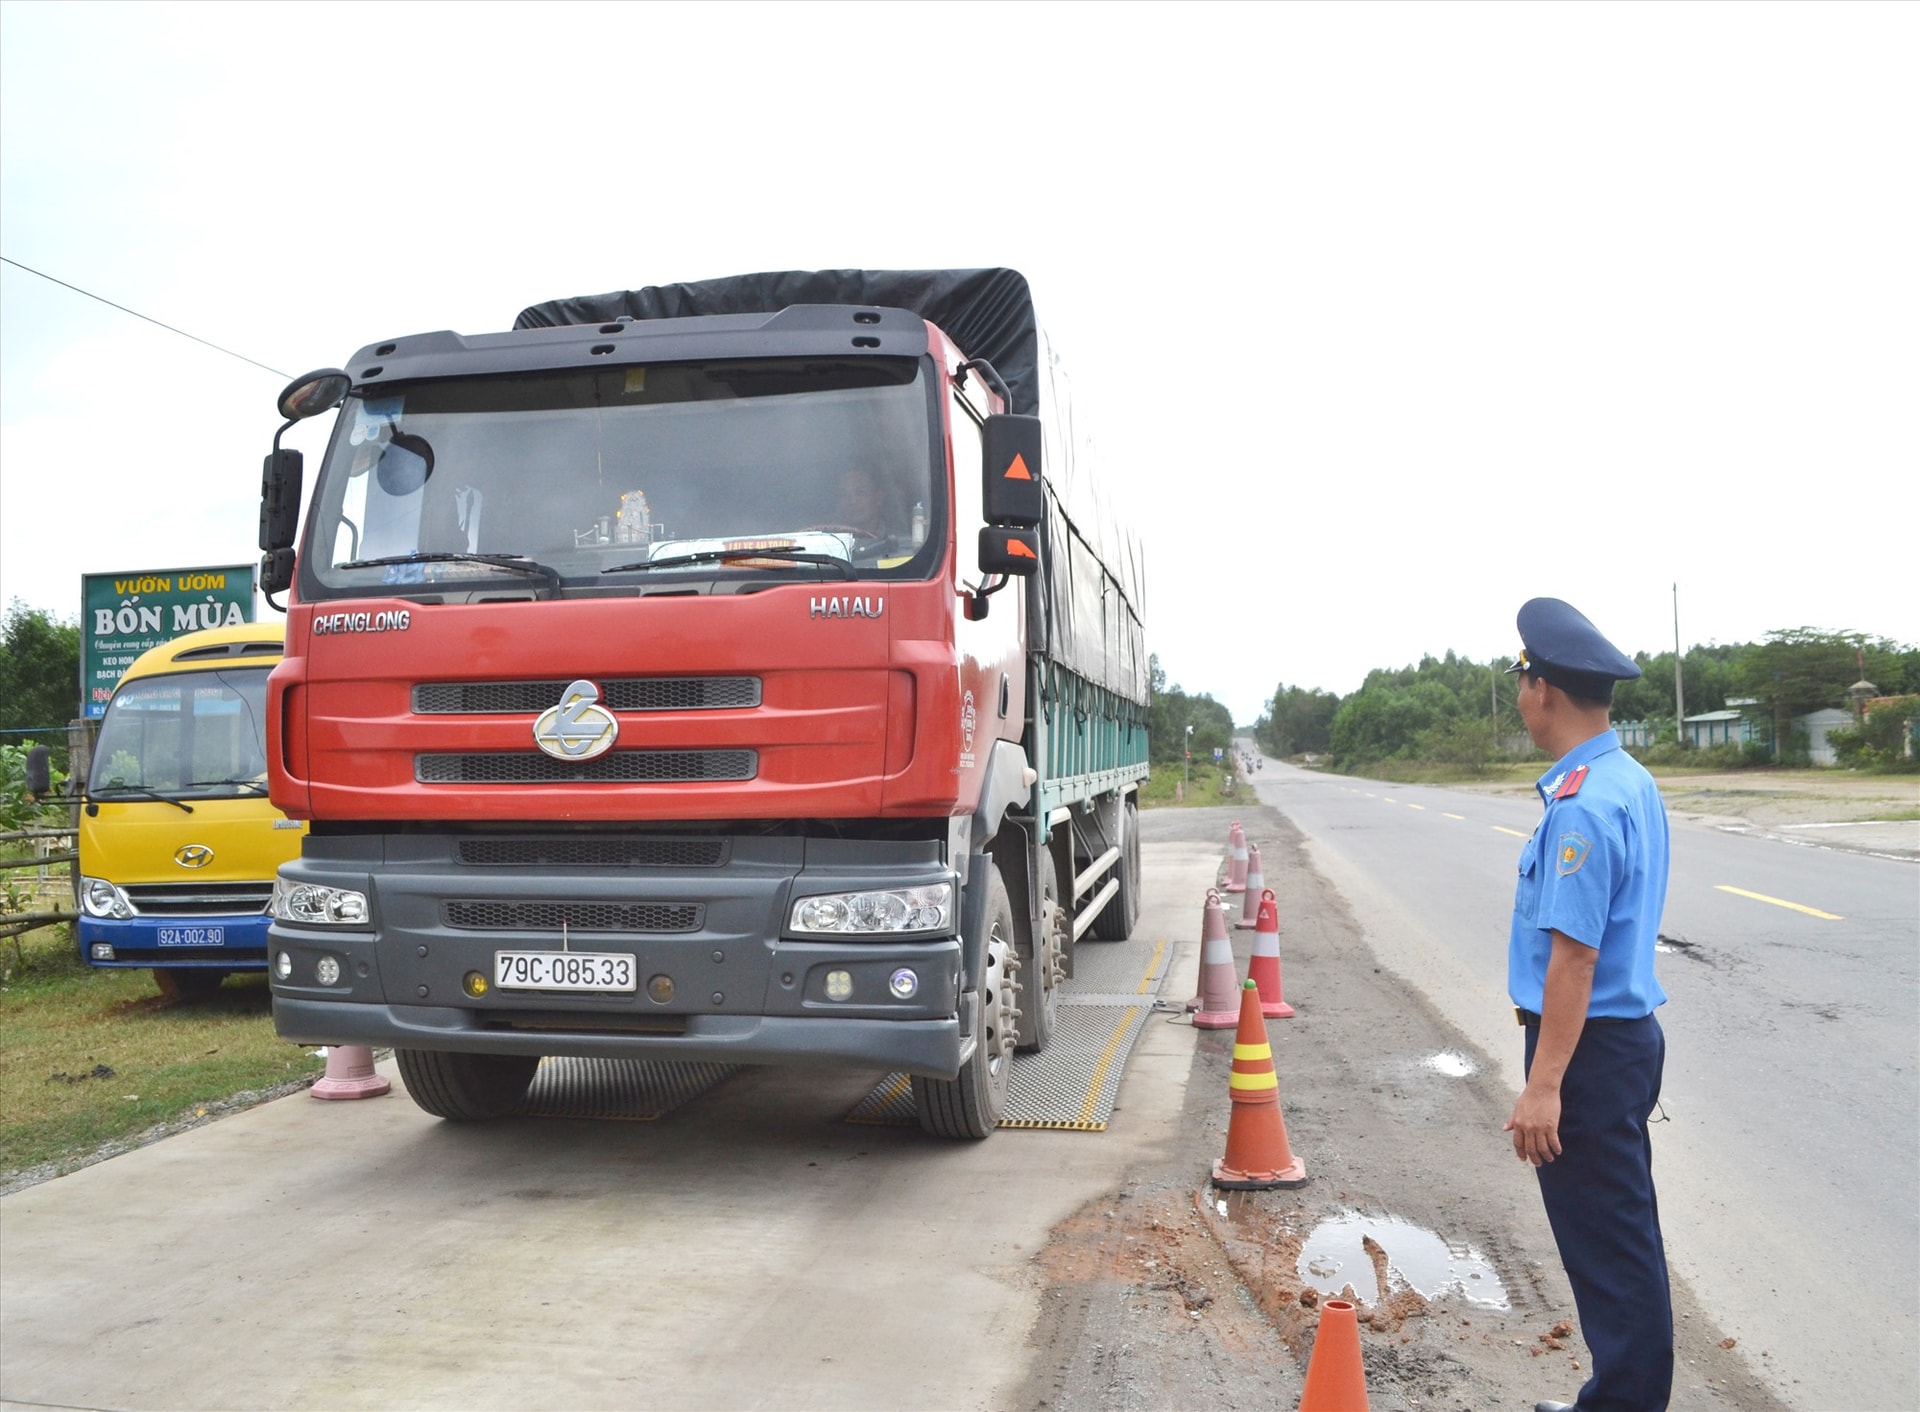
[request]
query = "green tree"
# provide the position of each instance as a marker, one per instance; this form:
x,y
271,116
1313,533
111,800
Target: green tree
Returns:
x,y
1298,721
39,678
1797,670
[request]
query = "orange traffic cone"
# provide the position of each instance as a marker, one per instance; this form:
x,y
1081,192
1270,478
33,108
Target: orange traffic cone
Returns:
x,y
1256,884
1200,992
349,1074
1263,967
1219,981
1236,859
1336,1381
1258,1158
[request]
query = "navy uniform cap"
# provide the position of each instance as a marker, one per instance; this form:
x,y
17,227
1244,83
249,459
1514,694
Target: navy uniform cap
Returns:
x,y
1558,643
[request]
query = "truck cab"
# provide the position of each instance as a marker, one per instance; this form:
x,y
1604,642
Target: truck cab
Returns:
x,y
179,842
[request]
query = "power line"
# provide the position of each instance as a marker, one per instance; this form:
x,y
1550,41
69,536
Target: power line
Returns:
x,y
138,315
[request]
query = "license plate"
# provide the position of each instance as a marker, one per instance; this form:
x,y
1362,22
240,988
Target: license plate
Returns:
x,y
563,970
191,936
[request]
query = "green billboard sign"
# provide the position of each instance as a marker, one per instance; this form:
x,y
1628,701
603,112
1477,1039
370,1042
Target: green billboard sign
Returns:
x,y
125,614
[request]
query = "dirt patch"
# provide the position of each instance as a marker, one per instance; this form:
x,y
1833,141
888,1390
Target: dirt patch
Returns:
x,y
1158,1297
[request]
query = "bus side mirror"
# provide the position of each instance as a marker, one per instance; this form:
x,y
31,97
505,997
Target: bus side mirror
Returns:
x,y
1011,491
39,771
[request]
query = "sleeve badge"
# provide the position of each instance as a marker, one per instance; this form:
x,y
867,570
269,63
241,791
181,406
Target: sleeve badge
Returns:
x,y
1571,853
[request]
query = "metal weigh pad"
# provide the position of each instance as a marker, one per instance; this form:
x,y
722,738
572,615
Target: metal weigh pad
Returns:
x,y
1073,1083
636,1090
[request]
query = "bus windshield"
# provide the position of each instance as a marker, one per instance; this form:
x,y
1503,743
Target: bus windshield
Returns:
x,y
199,734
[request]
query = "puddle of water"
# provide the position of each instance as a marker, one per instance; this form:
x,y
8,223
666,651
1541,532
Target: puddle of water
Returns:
x,y
1454,1066
1333,1258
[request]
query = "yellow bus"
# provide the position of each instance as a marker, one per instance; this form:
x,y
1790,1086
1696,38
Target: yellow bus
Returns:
x,y
179,843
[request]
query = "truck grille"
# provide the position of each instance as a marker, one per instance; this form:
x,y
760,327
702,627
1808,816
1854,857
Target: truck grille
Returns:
x,y
622,694
577,916
592,852
243,899
618,767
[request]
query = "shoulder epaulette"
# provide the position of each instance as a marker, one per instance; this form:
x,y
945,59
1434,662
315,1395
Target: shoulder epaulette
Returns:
x,y
1571,785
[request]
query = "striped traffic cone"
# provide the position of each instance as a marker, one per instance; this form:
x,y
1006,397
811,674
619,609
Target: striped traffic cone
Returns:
x,y
1219,982
1236,859
1263,967
1258,1158
1256,884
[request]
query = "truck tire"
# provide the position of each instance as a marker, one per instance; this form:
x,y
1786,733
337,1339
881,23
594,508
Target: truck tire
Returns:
x,y
1042,972
970,1106
187,982
466,1087
1117,918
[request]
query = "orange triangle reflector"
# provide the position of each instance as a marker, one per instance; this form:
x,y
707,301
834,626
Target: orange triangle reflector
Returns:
x,y
1018,470
1017,549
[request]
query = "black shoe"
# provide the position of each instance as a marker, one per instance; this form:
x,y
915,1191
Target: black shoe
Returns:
x,y
1553,1407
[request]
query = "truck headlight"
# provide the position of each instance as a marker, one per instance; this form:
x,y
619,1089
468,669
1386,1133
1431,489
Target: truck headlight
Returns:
x,y
102,899
894,909
313,905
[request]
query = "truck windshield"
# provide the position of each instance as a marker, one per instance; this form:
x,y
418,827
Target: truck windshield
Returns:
x,y
585,480
197,734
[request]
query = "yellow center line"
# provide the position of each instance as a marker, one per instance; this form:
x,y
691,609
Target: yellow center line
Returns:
x,y
1421,807
1515,832
1098,1078
1461,817
1778,902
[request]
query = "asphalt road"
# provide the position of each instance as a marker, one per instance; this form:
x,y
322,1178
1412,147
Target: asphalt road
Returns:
x,y
1787,1172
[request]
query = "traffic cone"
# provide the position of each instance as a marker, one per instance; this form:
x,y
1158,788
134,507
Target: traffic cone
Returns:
x,y
350,1074
1336,1381
1258,1158
1200,990
1236,859
1263,967
1219,981
1256,884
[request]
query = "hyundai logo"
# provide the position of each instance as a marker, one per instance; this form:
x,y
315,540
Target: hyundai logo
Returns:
x,y
579,728
193,855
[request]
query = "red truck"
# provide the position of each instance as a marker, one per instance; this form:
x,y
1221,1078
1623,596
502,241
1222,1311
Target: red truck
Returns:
x,y
740,671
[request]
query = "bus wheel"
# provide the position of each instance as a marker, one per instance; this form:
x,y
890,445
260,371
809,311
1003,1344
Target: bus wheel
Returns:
x,y
187,982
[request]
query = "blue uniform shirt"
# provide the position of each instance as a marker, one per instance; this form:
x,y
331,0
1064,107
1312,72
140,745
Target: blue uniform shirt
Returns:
x,y
1596,869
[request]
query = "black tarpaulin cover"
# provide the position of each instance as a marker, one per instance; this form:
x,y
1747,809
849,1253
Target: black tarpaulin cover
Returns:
x,y
1095,575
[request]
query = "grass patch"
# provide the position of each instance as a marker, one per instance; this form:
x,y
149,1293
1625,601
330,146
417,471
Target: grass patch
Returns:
x,y
1163,789
91,1058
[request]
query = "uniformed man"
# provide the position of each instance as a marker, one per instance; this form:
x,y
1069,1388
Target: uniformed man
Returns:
x,y
1586,915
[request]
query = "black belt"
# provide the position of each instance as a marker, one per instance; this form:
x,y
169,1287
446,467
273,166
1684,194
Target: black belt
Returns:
x,y
1528,1017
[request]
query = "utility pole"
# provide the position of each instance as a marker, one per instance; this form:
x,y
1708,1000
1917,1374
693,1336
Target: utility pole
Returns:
x,y
1679,682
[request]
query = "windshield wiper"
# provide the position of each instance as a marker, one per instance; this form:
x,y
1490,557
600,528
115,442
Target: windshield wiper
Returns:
x,y
715,556
250,786
519,563
105,791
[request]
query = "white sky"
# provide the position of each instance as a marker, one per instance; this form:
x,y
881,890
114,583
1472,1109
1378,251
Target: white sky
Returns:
x,y
1387,317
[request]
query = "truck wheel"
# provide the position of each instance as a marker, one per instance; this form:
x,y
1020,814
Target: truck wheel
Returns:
x,y
187,982
466,1087
1117,918
1042,972
971,1105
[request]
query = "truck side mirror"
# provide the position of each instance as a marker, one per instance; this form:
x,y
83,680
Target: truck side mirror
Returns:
x,y
1012,551
1011,491
281,474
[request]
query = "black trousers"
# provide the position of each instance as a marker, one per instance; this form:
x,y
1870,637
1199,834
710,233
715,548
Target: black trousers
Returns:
x,y
1606,1219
